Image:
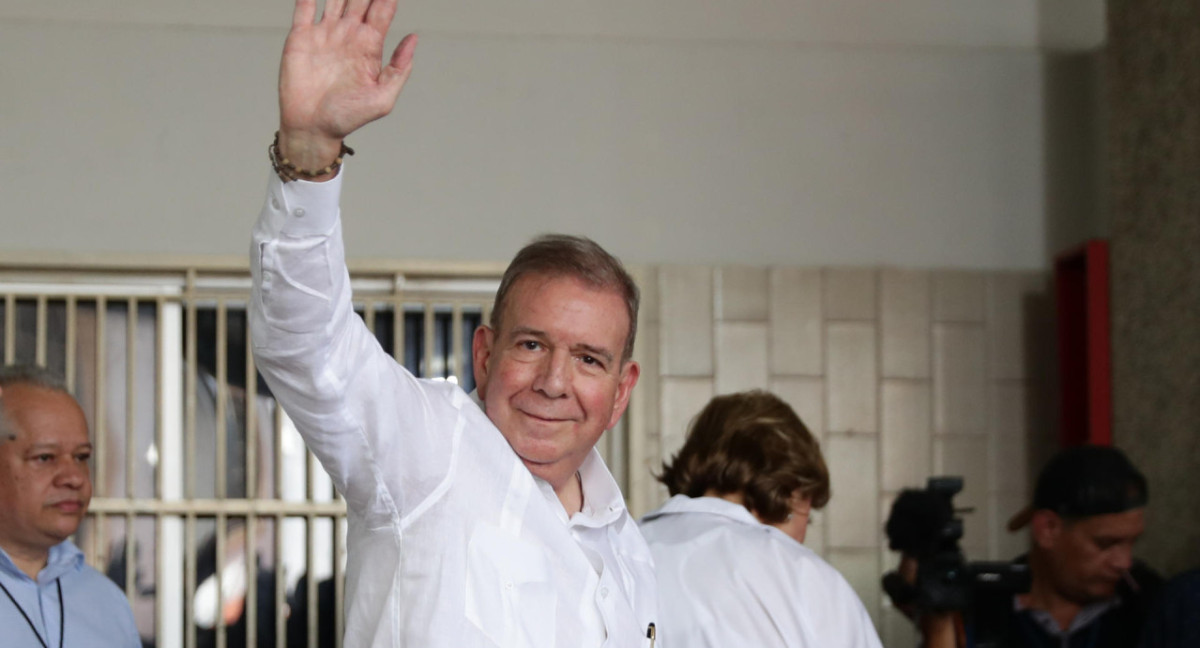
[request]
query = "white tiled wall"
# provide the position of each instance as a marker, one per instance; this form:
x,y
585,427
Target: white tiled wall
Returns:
x,y
902,374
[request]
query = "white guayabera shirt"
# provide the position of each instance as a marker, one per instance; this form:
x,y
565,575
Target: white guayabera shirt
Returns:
x,y
725,579
452,541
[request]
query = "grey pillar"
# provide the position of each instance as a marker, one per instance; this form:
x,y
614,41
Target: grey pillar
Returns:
x,y
1153,74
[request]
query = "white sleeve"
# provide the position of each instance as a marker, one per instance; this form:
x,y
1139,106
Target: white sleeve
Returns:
x,y
374,427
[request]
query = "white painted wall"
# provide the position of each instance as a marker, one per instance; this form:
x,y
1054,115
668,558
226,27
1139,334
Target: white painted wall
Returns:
x,y
775,131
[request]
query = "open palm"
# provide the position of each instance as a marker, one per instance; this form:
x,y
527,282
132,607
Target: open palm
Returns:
x,y
332,79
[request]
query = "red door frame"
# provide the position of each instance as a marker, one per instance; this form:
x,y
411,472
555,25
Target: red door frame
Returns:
x,y
1081,280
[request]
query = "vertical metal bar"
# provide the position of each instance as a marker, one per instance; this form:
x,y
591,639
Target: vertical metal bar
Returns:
x,y
311,581
40,333
280,581
222,458
10,329
130,558
250,610
189,390
189,580
429,338
456,325
339,578
189,439
71,343
397,318
131,324
310,554
171,593
222,397
100,486
398,330
219,574
159,486
251,419
251,492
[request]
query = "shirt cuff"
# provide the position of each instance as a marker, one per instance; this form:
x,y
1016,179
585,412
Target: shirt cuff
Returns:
x,y
305,208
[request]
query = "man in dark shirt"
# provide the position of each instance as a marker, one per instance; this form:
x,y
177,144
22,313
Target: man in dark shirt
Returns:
x,y
1088,591
1175,620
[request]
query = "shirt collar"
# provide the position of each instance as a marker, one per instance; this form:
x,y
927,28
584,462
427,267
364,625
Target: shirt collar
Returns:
x,y
1083,618
64,558
711,505
603,503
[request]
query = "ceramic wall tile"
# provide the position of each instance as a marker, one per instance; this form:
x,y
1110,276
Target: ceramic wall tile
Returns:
x,y
797,324
686,326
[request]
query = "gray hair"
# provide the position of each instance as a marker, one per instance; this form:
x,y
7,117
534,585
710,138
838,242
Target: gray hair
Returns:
x,y
579,257
31,376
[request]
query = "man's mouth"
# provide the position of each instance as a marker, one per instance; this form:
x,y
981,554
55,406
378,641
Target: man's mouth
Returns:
x,y
545,418
68,506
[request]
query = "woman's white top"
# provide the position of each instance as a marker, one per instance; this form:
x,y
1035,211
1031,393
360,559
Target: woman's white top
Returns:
x,y
725,580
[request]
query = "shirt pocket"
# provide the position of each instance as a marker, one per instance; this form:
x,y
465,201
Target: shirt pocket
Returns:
x,y
296,284
510,595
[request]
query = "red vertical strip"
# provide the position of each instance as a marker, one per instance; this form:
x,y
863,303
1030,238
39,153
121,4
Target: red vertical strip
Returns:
x,y
1069,279
1099,347
1081,281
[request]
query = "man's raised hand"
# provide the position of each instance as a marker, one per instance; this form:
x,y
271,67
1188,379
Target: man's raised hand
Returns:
x,y
332,79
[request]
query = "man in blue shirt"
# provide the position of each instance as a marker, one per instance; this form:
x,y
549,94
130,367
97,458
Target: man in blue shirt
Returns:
x,y
48,595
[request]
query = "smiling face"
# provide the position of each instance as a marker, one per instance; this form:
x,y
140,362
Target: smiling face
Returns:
x,y
552,377
45,483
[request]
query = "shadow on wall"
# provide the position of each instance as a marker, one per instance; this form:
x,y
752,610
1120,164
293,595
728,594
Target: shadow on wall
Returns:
x,y
1073,157
1042,407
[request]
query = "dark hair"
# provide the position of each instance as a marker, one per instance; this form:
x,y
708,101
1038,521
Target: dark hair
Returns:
x,y
558,255
753,444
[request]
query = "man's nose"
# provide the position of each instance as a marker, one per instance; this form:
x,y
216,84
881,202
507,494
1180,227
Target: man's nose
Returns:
x,y
553,376
72,474
1123,556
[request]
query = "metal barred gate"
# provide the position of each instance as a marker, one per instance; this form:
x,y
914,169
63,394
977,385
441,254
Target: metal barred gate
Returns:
x,y
208,510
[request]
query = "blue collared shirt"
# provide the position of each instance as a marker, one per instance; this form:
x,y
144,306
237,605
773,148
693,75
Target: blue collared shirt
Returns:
x,y
97,613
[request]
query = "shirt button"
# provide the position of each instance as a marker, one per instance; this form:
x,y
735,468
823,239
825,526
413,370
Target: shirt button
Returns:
x,y
298,212
274,203
508,585
603,592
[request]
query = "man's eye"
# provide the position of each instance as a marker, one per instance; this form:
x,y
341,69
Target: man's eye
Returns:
x,y
43,458
591,360
83,457
530,345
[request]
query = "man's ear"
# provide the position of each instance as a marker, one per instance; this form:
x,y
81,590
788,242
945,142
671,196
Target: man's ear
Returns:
x,y
625,383
1045,527
481,354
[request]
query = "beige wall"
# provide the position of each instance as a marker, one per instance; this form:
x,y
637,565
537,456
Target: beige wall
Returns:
x,y
902,374
909,133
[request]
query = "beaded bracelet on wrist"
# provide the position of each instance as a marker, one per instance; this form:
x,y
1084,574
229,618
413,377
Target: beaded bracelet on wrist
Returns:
x,y
289,172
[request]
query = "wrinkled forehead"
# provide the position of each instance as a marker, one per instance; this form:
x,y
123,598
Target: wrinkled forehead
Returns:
x,y
530,288
35,415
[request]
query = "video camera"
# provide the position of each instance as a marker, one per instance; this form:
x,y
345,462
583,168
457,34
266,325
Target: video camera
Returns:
x,y
924,526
